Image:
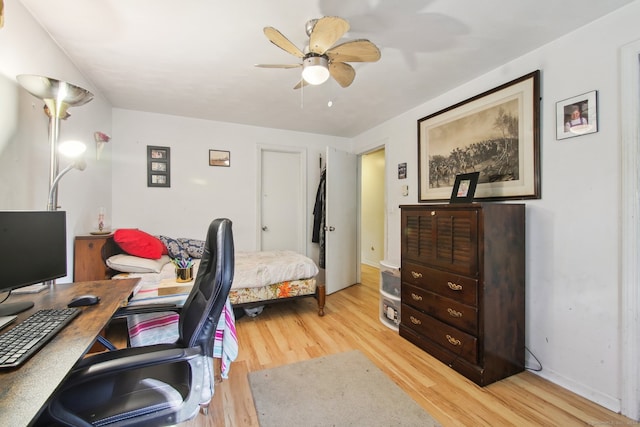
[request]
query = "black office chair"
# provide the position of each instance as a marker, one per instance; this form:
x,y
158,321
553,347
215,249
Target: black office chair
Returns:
x,y
161,384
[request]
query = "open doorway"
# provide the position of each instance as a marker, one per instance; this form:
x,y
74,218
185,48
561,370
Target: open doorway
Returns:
x,y
372,208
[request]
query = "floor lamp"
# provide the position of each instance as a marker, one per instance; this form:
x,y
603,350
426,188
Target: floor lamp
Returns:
x,y
58,96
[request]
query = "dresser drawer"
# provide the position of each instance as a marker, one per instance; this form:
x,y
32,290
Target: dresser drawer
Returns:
x,y
452,339
450,285
461,316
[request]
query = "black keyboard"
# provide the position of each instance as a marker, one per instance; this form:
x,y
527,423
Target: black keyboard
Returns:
x,y
31,334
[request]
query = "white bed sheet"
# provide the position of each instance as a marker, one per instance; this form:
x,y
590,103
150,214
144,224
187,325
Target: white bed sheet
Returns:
x,y
252,270
257,269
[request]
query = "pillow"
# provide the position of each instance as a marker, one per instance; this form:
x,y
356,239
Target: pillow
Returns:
x,y
133,264
194,248
138,243
174,247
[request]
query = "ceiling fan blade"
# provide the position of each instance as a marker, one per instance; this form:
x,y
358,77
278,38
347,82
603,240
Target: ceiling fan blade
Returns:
x,y
278,65
342,73
300,84
326,32
282,42
354,51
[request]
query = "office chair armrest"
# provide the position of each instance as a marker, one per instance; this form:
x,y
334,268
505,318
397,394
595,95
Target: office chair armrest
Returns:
x,y
107,367
135,358
147,308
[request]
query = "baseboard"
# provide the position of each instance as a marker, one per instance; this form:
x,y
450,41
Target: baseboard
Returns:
x,y
370,263
588,393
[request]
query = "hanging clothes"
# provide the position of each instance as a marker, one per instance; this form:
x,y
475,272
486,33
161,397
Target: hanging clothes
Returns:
x,y
319,214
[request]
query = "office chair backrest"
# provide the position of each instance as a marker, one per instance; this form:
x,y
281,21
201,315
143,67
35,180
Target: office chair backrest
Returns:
x,y
210,290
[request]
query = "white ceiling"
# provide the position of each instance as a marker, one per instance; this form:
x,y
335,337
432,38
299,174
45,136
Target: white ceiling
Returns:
x,y
196,58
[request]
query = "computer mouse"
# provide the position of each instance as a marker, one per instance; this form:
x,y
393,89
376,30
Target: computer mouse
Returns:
x,y
82,300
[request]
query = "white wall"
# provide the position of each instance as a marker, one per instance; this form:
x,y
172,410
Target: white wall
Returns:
x,y
573,232
24,142
199,192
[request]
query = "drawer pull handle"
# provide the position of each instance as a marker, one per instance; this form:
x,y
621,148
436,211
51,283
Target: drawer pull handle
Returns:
x,y
416,297
454,286
415,321
416,275
453,341
454,313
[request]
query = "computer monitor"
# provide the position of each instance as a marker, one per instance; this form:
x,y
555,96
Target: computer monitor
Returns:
x,y
33,249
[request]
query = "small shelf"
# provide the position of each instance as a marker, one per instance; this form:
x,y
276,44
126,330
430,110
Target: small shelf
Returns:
x,y
389,310
390,294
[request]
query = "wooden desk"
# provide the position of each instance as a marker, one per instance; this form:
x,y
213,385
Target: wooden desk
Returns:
x,y
23,391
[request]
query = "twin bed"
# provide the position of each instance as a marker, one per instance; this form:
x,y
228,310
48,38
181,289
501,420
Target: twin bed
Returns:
x,y
260,278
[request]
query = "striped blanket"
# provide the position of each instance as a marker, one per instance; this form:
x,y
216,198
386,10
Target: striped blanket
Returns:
x,y
162,327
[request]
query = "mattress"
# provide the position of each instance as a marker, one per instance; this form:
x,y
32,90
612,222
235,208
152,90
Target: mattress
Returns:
x,y
162,287
258,269
257,276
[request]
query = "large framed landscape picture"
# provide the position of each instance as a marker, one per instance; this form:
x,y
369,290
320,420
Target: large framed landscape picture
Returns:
x,y
495,133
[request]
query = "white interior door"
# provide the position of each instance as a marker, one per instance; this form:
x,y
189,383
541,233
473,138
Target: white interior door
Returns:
x,y
282,210
341,220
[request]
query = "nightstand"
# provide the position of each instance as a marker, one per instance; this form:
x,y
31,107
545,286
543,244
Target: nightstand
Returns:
x,y
88,260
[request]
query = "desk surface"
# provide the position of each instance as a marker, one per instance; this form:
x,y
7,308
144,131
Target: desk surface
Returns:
x,y
23,391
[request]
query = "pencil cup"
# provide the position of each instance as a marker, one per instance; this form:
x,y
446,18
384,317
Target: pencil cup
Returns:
x,y
184,274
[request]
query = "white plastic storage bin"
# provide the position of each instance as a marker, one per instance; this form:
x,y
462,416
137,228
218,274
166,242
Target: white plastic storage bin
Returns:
x,y
390,277
389,310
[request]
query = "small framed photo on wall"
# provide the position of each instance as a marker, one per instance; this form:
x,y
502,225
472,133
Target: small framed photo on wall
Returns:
x,y
158,166
402,171
577,116
219,158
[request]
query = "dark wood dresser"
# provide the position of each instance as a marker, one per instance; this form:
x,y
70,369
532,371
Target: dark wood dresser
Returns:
x,y
463,286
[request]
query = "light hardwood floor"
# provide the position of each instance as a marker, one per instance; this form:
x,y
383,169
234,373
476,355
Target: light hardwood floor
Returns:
x,y
289,332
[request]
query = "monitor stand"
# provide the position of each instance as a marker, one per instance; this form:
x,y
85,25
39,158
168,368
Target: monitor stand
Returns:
x,y
8,309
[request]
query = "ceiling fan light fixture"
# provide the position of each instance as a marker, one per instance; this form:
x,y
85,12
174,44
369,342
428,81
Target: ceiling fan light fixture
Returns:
x,y
315,70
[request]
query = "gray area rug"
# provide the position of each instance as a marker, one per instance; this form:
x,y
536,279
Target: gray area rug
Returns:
x,y
344,389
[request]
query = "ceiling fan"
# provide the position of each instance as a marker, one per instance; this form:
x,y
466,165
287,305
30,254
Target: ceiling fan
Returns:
x,y
320,58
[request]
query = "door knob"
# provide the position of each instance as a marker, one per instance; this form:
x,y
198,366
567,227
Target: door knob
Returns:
x,y
332,228
265,228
